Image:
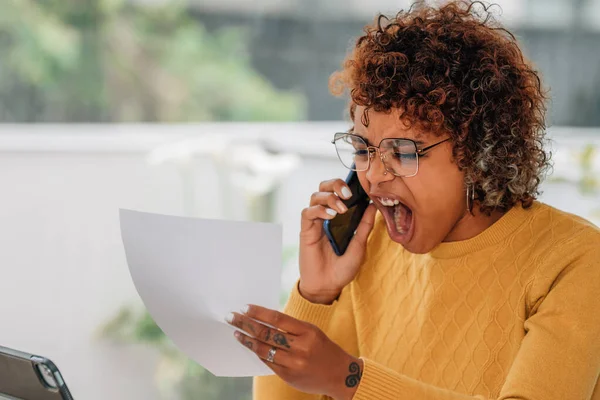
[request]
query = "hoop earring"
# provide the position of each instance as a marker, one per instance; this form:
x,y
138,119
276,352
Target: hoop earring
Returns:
x,y
470,197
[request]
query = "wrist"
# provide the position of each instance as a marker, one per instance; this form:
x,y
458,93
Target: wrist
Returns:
x,y
347,382
319,297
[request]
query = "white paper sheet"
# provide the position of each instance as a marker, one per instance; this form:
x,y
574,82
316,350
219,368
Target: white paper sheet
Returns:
x,y
191,273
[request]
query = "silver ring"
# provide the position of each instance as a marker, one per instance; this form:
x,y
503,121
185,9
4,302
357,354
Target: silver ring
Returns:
x,y
271,355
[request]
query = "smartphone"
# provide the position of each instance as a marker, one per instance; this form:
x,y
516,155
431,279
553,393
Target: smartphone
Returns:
x,y
26,376
340,229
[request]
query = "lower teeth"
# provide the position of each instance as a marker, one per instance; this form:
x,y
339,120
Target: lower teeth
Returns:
x,y
398,215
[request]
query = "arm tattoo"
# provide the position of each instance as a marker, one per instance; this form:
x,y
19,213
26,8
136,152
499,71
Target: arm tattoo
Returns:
x,y
355,374
279,338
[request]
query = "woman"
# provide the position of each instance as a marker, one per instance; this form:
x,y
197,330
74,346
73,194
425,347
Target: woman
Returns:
x,y
458,284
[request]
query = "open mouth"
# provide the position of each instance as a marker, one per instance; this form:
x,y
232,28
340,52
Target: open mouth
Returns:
x,y
399,219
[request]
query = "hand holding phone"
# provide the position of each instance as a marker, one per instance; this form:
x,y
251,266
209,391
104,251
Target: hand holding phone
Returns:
x,y
340,230
331,255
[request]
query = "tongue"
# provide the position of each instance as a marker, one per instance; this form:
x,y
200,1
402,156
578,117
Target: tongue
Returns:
x,y
402,218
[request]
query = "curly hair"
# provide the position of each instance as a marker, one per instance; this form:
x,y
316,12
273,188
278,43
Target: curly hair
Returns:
x,y
451,71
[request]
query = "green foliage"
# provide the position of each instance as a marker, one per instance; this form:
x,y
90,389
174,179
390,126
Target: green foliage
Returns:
x,y
181,377
103,60
41,45
178,376
146,328
202,385
589,183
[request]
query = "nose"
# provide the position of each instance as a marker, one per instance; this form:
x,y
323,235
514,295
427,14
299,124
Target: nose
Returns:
x,y
377,174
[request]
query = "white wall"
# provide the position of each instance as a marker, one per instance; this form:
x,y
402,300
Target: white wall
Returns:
x,y
62,267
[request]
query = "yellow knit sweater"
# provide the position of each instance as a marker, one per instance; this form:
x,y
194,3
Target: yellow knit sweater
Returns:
x,y
513,313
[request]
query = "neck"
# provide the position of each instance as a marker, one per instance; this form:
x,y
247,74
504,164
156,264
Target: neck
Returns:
x,y
471,225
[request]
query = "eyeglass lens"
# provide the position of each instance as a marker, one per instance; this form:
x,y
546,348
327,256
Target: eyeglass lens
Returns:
x,y
399,155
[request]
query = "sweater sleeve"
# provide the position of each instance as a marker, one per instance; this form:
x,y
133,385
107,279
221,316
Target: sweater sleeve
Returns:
x,y
335,320
559,357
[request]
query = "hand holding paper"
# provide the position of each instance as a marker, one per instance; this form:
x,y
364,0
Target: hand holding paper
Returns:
x,y
191,273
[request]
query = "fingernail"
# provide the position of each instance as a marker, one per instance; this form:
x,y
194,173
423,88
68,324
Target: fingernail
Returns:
x,y
244,309
229,318
342,206
331,212
346,193
236,334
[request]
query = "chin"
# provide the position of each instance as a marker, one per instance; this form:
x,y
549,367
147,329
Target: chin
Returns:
x,y
418,247
411,240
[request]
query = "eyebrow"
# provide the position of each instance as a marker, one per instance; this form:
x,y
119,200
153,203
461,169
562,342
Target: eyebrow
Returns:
x,y
417,142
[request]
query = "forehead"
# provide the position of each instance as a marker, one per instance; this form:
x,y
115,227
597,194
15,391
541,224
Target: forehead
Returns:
x,y
386,125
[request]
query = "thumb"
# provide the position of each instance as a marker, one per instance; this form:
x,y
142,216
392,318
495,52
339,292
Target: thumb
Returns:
x,y
359,241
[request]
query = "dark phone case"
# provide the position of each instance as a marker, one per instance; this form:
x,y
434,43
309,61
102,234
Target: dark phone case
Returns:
x,y
20,378
359,199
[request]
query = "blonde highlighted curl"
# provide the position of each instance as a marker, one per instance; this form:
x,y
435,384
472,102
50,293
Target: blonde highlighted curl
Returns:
x,y
453,70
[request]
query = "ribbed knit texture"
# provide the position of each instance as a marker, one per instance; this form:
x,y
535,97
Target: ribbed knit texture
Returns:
x,y
513,313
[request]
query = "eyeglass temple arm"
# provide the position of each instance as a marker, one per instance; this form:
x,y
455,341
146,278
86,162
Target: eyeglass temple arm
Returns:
x,y
425,149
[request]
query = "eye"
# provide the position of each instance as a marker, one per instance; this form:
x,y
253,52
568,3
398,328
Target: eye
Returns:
x,y
404,156
361,152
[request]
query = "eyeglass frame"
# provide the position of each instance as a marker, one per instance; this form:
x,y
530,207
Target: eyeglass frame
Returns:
x,y
376,149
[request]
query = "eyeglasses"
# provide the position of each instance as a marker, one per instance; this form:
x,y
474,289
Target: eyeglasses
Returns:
x,y
399,156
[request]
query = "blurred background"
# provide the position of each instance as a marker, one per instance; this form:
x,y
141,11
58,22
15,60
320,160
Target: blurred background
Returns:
x,y
205,108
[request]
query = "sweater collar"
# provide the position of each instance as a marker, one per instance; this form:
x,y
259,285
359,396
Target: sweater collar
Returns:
x,y
497,232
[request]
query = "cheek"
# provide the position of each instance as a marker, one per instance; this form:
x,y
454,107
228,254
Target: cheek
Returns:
x,y
440,183
438,191
362,178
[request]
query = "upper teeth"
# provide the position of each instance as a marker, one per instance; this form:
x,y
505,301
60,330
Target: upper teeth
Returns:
x,y
388,202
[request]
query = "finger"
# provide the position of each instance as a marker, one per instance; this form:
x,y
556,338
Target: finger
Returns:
x,y
328,199
279,370
359,241
261,349
265,334
314,214
338,186
276,319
